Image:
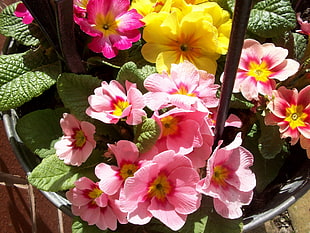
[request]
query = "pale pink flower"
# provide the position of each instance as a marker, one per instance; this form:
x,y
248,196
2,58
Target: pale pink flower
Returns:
x,y
228,179
290,110
111,25
113,177
259,68
164,189
22,12
304,25
186,87
180,130
94,206
110,103
77,143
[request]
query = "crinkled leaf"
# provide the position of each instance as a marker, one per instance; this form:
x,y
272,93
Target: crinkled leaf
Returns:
x,y
53,175
146,134
130,72
39,129
24,76
80,226
300,43
271,18
12,26
74,91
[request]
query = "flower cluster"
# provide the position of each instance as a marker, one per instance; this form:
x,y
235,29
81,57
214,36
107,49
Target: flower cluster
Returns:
x,y
141,145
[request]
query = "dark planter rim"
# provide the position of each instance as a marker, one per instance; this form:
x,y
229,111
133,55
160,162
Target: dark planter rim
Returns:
x,y
288,194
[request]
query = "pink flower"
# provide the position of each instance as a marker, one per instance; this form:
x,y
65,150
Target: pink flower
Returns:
x,y
164,189
186,87
94,206
113,177
79,9
78,141
111,25
304,25
259,67
110,103
180,130
290,110
22,12
228,179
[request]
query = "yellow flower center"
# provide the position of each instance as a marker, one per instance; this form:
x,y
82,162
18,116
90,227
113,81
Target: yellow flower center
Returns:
x,y
95,193
119,107
260,71
184,91
170,125
295,116
107,24
159,188
128,170
80,138
220,174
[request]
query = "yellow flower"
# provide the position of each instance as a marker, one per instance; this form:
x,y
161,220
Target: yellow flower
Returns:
x,y
197,33
146,7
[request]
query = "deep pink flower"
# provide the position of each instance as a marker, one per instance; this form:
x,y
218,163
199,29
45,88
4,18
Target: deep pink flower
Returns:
x,y
304,25
290,110
260,65
186,87
111,25
110,103
22,12
78,141
113,177
79,10
94,206
180,130
164,189
228,179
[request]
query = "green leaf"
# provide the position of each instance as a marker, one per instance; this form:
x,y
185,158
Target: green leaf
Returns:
x,y
130,72
80,226
146,134
24,76
300,43
53,175
12,26
271,18
39,129
74,91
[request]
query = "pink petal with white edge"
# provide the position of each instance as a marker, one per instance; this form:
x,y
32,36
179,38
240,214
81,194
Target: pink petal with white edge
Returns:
x,y
110,182
273,56
156,100
286,69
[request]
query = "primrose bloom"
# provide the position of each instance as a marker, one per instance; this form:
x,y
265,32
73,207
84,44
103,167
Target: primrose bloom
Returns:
x,y
111,25
228,179
304,25
78,141
199,36
22,12
94,206
180,130
186,87
290,110
260,65
110,103
113,177
164,189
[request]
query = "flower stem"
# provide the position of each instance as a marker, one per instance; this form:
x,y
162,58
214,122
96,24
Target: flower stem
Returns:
x,y
239,26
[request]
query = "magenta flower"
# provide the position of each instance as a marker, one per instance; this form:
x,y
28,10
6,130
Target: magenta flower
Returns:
x,y
110,103
111,25
22,12
180,130
94,206
164,189
228,179
78,141
79,10
113,177
186,87
259,67
290,110
304,25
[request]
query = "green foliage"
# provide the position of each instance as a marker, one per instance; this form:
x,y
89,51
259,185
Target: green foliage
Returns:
x,y
130,72
24,76
146,134
271,18
39,129
12,26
